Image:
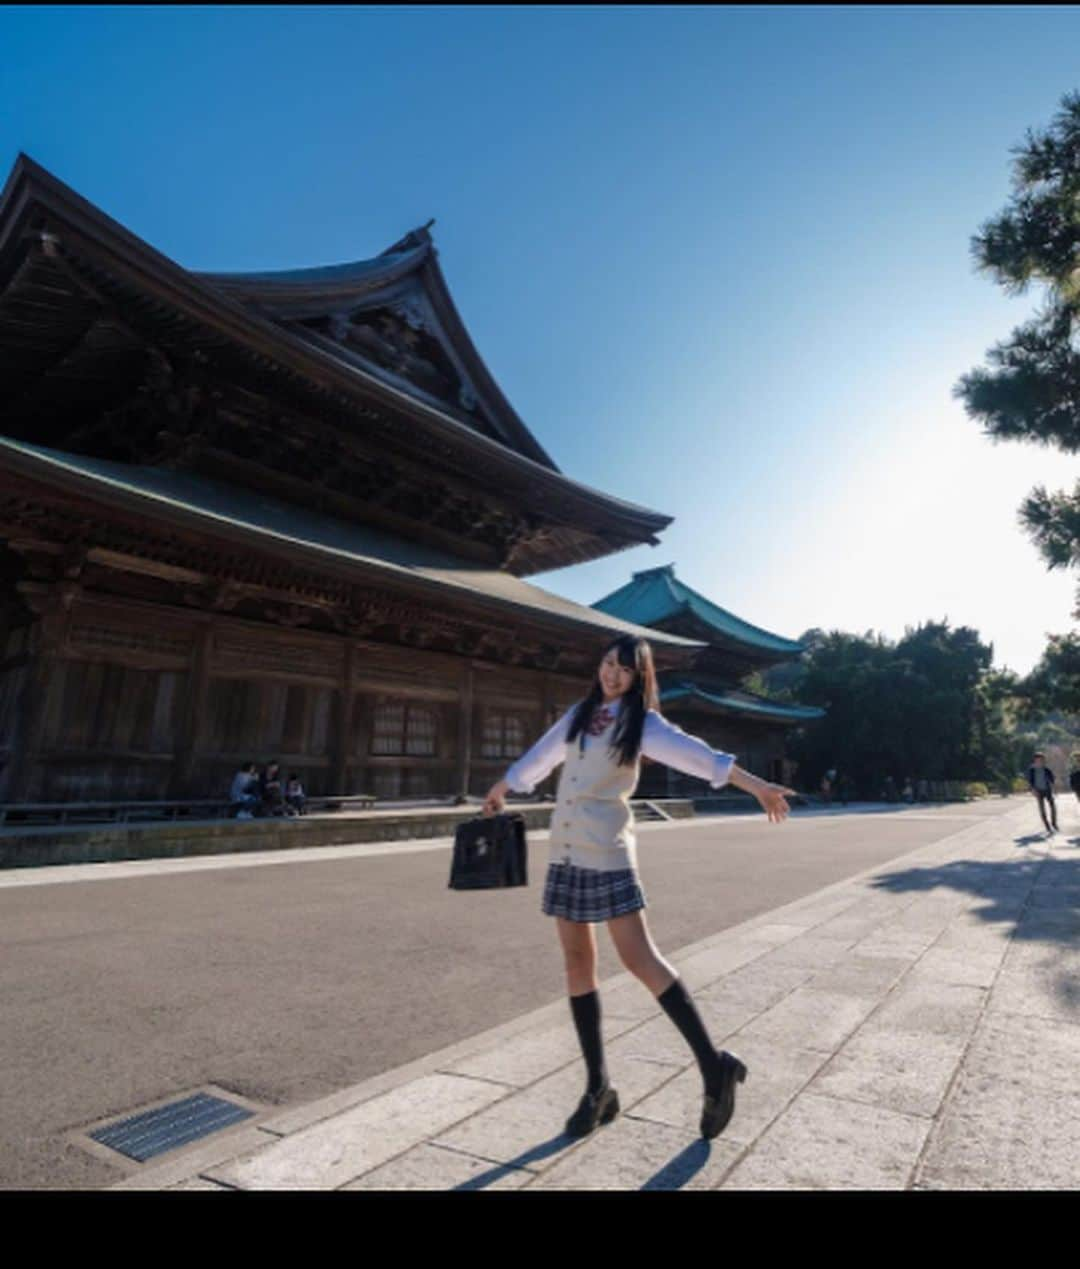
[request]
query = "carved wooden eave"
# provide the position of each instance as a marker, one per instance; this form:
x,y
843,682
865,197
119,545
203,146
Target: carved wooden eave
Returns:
x,y
336,308
82,300
74,526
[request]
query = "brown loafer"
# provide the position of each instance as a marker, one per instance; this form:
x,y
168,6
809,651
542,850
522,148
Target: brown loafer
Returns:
x,y
594,1109
717,1111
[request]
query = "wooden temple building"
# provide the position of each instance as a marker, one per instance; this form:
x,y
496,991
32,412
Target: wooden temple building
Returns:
x,y
706,699
272,515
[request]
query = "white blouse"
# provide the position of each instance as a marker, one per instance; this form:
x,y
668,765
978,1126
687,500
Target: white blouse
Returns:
x,y
661,741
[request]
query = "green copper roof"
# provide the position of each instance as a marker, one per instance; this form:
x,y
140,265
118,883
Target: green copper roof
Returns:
x,y
739,702
657,595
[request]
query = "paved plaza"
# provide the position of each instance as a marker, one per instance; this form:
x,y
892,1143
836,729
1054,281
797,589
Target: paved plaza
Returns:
x,y
915,1027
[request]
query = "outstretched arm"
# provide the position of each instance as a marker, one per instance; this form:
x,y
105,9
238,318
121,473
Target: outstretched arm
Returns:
x,y
773,797
664,742
532,767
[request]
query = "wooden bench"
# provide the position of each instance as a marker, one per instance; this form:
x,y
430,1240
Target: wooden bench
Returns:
x,y
124,812
111,812
344,802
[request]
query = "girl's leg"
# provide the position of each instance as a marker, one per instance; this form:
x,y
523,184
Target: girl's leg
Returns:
x,y
578,941
639,953
642,958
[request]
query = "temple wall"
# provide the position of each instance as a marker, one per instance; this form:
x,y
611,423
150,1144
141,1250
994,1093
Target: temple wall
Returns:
x,y
15,641
129,700
757,749
12,685
106,698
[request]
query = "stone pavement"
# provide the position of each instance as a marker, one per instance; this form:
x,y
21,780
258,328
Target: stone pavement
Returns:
x,y
914,1027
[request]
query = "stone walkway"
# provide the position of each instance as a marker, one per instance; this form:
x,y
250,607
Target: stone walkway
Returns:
x,y
915,1027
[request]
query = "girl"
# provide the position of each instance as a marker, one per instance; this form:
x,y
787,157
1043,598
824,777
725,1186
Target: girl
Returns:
x,y
592,874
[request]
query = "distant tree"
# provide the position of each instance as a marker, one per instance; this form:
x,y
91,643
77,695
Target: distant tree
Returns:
x,y
1054,684
781,682
755,682
1031,390
927,706
996,728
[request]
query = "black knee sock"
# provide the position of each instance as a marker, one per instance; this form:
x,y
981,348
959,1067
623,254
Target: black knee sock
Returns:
x,y
679,1007
586,1011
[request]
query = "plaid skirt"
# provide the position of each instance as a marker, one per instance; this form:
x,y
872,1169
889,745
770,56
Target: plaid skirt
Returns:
x,y
591,894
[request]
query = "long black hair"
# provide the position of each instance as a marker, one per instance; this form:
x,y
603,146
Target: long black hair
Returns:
x,y
641,696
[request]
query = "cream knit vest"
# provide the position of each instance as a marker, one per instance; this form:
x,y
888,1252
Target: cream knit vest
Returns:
x,y
592,825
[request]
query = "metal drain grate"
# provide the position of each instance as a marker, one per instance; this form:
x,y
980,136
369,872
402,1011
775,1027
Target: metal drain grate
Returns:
x,y
156,1131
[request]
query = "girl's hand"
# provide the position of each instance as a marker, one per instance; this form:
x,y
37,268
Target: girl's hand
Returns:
x,y
773,801
495,802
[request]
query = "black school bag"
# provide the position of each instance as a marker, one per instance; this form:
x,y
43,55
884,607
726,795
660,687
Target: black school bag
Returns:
x,y
489,854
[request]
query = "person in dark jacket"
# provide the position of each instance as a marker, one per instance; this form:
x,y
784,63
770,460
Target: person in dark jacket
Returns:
x,y
1074,774
270,788
1041,780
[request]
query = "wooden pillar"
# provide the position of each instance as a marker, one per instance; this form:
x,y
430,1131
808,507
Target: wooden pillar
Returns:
x,y
465,728
343,748
191,724
47,637
548,702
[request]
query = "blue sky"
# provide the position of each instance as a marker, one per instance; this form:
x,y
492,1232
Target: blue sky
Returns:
x,y
717,258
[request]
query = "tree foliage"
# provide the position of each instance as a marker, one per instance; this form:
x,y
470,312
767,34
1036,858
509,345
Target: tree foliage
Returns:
x,y
1031,387
1054,683
927,706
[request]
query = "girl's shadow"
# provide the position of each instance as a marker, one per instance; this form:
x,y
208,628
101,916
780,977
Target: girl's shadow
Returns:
x,y
672,1176
686,1164
542,1151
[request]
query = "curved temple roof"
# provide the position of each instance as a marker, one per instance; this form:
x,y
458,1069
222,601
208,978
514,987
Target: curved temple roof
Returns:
x,y
740,702
363,551
403,282
294,289
381,334
656,595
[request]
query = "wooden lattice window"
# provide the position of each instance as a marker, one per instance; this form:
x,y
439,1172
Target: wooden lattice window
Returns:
x,y
504,735
402,729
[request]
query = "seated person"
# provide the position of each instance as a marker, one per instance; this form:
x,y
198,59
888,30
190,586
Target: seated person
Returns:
x,y
294,793
273,801
244,791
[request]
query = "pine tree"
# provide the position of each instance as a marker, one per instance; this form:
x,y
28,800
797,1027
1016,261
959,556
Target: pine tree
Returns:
x,y
1031,390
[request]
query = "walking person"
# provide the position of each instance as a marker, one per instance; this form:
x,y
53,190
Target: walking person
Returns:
x,y
1074,773
592,872
1041,781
